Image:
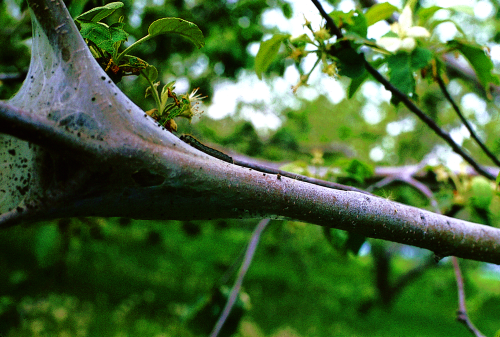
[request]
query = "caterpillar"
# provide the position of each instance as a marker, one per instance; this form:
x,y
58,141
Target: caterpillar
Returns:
x,y
203,148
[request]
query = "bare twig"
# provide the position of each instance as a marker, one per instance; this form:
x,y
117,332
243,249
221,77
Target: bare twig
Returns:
x,y
483,147
406,100
329,21
427,120
252,246
462,311
422,188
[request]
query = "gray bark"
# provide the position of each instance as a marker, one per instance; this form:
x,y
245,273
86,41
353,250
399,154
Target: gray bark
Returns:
x,y
74,145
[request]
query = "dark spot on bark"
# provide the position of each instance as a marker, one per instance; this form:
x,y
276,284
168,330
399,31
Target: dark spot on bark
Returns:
x,y
12,152
66,54
146,178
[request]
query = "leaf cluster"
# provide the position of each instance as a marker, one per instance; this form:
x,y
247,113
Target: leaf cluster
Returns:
x,y
344,55
105,42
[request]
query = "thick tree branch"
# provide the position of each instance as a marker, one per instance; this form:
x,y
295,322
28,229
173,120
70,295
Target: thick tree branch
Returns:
x,y
120,163
196,187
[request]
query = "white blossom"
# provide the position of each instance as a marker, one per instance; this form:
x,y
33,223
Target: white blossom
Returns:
x,y
406,33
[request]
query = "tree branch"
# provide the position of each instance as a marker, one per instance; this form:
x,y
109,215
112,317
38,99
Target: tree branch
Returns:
x,y
233,296
427,120
406,101
458,69
462,316
465,122
135,169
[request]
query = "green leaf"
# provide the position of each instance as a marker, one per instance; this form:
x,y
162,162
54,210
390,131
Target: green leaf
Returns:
x,y
351,63
360,25
400,72
164,92
151,73
98,13
420,57
379,12
462,9
482,193
425,14
178,26
356,169
99,34
497,184
150,90
479,60
300,41
359,40
76,7
356,82
267,52
287,10
118,34
354,21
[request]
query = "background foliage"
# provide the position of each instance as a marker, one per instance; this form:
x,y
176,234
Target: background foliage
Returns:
x,y
121,277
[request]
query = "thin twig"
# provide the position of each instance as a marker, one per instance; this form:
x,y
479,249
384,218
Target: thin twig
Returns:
x,y
252,246
406,101
462,311
329,21
422,188
464,120
427,120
